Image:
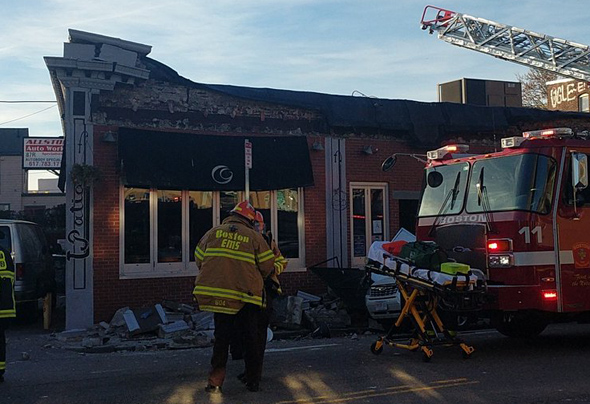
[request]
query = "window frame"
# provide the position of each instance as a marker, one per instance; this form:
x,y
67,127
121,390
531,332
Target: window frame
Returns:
x,y
359,261
586,98
186,267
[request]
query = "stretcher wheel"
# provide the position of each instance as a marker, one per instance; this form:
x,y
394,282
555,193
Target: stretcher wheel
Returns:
x,y
426,354
377,347
466,350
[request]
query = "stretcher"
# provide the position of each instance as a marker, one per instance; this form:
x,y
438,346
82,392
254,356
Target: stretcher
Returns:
x,y
424,292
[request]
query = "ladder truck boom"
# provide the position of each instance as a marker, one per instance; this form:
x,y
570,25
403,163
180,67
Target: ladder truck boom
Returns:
x,y
518,45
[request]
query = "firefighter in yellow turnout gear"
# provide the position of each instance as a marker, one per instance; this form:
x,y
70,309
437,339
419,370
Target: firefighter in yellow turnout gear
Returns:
x,y
7,303
233,261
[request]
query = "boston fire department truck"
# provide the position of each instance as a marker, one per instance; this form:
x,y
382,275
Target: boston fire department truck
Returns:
x,y
522,215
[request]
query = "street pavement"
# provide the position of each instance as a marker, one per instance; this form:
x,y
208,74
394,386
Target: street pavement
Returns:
x,y
550,369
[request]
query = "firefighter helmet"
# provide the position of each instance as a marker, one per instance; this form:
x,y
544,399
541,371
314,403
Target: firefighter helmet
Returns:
x,y
259,222
245,209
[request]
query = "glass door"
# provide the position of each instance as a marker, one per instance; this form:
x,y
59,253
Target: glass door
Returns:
x,y
369,219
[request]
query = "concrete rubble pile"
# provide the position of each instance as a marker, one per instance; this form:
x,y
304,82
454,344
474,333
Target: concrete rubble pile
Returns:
x,y
173,325
314,314
169,325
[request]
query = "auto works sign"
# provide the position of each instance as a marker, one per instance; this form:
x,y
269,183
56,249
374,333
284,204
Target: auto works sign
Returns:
x,y
42,153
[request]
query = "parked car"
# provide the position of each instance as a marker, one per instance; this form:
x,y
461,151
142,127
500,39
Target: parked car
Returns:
x,y
34,270
383,300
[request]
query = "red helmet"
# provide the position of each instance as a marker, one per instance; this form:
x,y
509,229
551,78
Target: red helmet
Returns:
x,y
245,209
259,221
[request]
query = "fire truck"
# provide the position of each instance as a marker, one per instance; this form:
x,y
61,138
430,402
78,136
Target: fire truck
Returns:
x,y
522,214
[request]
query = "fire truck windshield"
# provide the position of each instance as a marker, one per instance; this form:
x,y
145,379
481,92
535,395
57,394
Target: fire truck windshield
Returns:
x,y
446,196
517,182
520,182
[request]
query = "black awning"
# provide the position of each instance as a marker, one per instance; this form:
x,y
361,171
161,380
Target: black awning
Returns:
x,y
170,160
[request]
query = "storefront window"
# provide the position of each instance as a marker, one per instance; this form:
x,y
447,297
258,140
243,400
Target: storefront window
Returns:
x,y
261,201
359,223
169,226
227,201
200,210
137,225
287,220
161,228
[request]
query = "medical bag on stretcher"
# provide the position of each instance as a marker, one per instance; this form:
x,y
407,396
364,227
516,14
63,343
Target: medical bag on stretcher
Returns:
x,y
459,287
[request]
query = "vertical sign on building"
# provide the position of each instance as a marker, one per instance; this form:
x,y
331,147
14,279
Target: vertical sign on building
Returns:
x,y
248,163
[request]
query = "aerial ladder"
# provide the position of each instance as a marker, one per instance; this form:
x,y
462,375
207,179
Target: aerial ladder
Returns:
x,y
540,51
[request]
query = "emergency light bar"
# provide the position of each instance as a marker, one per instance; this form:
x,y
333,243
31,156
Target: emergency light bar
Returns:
x,y
545,133
516,141
441,152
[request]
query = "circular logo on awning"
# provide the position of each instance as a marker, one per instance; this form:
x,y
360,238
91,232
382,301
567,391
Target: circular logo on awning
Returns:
x,y
222,174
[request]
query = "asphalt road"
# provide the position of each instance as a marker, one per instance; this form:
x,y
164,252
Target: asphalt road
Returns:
x,y
550,369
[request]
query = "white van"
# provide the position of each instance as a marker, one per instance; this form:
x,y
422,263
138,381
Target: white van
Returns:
x,y
34,271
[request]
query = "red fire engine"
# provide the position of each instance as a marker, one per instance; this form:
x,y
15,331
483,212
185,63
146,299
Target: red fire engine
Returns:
x,y
522,215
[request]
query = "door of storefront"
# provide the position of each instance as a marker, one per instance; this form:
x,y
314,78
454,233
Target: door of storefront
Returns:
x,y
369,218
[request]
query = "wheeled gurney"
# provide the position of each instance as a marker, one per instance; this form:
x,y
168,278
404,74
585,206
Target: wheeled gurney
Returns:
x,y
424,292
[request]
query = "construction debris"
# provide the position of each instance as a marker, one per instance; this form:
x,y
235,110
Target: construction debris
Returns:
x,y
172,325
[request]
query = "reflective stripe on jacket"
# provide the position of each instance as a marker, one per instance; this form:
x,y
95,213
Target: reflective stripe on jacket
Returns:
x,y
7,279
280,265
233,261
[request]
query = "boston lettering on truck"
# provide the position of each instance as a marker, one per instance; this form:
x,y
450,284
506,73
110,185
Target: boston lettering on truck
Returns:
x,y
522,216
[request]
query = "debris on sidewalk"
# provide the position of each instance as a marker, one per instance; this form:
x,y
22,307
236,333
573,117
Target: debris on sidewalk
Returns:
x,y
173,325
169,325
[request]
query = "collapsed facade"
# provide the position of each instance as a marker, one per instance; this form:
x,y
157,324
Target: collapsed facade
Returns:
x,y
153,160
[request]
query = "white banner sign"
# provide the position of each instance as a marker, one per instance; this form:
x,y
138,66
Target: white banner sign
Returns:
x,y
42,153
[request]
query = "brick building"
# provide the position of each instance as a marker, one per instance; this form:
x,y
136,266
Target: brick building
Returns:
x,y
568,95
170,153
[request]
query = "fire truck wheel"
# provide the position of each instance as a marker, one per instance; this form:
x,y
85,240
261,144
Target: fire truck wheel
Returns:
x,y
519,324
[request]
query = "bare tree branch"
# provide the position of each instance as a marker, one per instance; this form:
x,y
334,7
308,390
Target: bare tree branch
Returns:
x,y
534,87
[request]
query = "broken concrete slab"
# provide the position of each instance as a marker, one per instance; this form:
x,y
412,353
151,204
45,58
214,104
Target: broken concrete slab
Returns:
x,y
287,311
203,320
118,319
144,320
171,330
179,307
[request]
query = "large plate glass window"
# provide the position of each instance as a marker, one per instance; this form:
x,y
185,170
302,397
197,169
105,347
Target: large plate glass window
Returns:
x,y
200,211
169,226
137,226
160,228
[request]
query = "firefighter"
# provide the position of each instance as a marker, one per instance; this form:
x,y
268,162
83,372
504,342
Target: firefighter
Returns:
x,y
272,284
272,289
233,261
7,303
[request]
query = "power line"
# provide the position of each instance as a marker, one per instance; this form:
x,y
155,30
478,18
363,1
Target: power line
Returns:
x,y
24,102
26,116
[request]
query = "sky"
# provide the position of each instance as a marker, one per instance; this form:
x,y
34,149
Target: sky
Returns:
x,y
366,47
